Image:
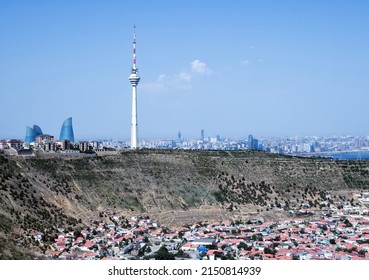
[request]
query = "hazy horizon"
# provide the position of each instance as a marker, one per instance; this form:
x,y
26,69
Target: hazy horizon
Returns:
x,y
267,68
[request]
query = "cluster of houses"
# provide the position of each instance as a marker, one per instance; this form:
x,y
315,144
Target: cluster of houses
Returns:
x,y
46,143
337,235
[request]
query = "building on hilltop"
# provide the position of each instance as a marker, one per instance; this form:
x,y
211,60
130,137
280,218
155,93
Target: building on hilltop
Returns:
x,y
15,144
64,144
3,145
37,141
44,138
32,133
66,132
50,146
84,146
35,134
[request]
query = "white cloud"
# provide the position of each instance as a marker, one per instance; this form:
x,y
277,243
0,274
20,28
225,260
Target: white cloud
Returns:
x,y
184,76
199,67
180,81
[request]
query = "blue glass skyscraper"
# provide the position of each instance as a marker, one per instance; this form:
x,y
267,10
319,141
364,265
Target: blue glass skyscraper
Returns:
x,y
253,143
32,133
37,130
180,139
250,142
66,132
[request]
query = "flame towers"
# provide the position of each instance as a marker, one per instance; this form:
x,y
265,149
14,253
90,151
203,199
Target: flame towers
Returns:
x,y
66,132
134,78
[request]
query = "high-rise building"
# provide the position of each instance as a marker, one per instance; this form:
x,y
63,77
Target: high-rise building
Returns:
x,y
202,135
37,130
32,133
66,132
180,139
134,78
253,143
250,140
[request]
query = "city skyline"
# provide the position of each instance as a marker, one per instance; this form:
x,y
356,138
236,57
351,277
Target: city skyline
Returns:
x,y
265,68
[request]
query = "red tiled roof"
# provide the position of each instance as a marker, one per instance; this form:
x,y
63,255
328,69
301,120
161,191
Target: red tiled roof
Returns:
x,y
212,252
60,243
89,254
139,238
119,239
283,251
283,257
88,244
15,141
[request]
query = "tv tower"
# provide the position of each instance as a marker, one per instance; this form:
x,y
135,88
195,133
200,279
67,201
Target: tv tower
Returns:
x,y
134,78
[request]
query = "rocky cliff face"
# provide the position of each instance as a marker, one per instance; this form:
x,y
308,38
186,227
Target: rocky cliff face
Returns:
x,y
172,185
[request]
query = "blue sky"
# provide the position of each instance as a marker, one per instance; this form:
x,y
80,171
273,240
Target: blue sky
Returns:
x,y
233,68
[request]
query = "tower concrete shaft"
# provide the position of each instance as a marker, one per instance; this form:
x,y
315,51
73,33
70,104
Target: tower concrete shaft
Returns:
x,y
134,78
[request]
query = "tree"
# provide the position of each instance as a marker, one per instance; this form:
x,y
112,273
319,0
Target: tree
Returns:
x,y
77,233
227,257
362,252
295,257
163,254
269,251
180,253
242,246
347,223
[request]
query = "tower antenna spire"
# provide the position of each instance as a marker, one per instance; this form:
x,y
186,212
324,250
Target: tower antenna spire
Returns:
x,y
134,68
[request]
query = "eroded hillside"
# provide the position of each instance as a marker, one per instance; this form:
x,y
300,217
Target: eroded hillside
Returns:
x,y
172,185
